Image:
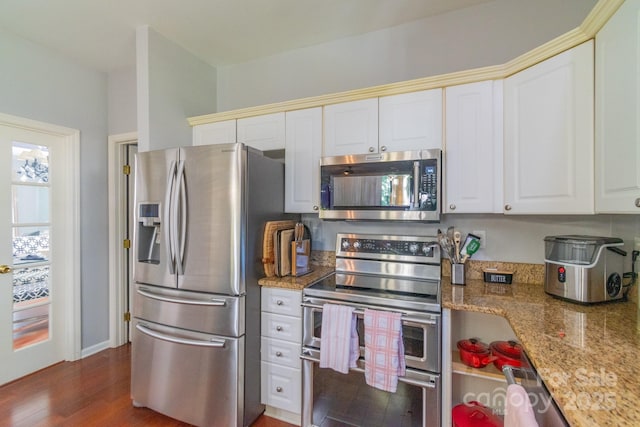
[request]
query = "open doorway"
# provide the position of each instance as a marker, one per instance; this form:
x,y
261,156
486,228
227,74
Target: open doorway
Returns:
x,y
122,149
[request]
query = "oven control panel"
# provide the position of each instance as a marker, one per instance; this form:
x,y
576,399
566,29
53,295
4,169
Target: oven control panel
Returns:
x,y
387,246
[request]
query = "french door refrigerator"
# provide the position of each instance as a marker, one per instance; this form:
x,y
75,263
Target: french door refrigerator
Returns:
x,y
199,218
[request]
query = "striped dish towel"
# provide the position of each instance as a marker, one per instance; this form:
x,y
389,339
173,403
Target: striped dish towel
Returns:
x,y
339,347
383,349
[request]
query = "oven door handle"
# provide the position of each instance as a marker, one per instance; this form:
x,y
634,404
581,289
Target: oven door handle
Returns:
x,y
308,356
405,317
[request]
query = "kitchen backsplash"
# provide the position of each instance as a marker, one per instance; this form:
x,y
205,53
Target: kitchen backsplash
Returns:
x,y
522,273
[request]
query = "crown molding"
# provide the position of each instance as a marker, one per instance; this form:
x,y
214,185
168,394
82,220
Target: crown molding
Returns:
x,y
599,15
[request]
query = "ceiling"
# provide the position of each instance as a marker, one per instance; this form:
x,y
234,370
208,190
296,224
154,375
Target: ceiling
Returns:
x,y
101,34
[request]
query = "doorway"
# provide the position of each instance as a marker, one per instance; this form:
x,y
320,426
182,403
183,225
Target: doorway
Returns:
x,y
122,149
40,269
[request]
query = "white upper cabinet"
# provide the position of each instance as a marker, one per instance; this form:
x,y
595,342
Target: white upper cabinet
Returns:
x,y
548,138
264,132
618,112
473,156
351,128
302,160
411,121
215,133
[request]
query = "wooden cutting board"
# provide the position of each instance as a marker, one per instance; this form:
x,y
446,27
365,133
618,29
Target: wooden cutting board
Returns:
x,y
267,244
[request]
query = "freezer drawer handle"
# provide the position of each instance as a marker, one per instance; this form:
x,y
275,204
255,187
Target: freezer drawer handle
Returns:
x,y
152,333
212,302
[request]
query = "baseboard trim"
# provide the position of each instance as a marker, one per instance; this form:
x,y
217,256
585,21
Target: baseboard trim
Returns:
x,y
89,351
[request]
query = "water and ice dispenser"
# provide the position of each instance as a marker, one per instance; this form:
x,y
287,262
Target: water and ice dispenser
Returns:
x,y
148,246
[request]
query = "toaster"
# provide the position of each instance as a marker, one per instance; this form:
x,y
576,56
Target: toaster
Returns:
x,y
584,269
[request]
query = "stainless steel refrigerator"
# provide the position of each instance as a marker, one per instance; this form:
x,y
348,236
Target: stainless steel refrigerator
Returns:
x,y
199,218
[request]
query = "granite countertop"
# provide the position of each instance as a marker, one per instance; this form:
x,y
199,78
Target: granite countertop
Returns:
x,y
297,283
586,355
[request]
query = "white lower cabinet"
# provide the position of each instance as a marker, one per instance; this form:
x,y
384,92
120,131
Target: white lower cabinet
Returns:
x,y
281,329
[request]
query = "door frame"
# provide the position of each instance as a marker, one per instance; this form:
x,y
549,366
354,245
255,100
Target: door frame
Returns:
x,y
117,228
70,263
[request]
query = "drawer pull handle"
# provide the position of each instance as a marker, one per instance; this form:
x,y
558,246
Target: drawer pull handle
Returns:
x,y
279,302
279,389
278,354
279,328
638,202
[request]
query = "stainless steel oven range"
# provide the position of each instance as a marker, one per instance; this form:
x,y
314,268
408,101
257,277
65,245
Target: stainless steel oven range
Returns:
x,y
381,272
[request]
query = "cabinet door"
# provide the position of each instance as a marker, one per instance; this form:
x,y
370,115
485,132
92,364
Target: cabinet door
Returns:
x,y
618,112
548,141
473,156
351,128
264,133
215,133
303,148
411,121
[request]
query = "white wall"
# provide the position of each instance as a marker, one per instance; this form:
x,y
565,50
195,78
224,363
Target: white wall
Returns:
x,y
515,238
487,34
39,84
172,85
122,101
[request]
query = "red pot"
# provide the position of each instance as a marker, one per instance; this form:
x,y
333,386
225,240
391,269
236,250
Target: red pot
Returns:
x,y
475,353
507,353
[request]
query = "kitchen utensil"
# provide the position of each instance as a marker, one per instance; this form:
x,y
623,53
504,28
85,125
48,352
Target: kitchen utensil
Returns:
x,y
475,353
456,240
506,353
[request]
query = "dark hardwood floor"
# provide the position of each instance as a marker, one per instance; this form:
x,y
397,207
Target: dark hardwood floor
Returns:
x,y
90,392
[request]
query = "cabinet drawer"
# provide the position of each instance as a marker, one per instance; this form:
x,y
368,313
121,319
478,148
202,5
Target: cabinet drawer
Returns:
x,y
281,352
281,387
282,327
282,301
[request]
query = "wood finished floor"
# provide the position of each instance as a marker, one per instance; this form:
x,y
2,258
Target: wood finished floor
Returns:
x,y
92,392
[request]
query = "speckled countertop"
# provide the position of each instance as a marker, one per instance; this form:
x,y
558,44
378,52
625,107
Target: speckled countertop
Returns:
x,y
588,356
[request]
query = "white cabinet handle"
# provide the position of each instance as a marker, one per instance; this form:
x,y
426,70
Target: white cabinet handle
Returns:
x,y
279,328
507,207
279,389
278,354
383,148
638,202
279,302
452,207
315,207
371,150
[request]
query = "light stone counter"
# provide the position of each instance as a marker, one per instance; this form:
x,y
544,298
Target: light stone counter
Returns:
x,y
588,356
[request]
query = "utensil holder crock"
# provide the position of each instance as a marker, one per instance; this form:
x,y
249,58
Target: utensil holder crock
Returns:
x,y
457,274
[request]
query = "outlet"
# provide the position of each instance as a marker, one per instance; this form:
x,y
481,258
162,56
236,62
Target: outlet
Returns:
x,y
483,237
636,244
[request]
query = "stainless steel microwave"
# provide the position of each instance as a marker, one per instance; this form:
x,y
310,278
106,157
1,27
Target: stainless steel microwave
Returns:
x,y
397,186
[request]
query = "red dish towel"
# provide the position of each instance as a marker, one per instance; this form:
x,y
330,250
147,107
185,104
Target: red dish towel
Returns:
x,y
339,348
383,349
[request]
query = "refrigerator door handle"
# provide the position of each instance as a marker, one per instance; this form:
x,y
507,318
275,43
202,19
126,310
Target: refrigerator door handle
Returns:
x,y
181,206
168,219
212,302
147,331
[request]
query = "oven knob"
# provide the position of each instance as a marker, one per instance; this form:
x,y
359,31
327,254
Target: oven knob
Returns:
x,y
413,248
356,244
345,244
425,250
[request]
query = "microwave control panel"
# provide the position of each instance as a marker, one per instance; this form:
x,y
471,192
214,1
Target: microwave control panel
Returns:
x,y
428,187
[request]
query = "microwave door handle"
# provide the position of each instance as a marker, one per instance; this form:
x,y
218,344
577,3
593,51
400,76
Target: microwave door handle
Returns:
x,y
167,220
416,184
